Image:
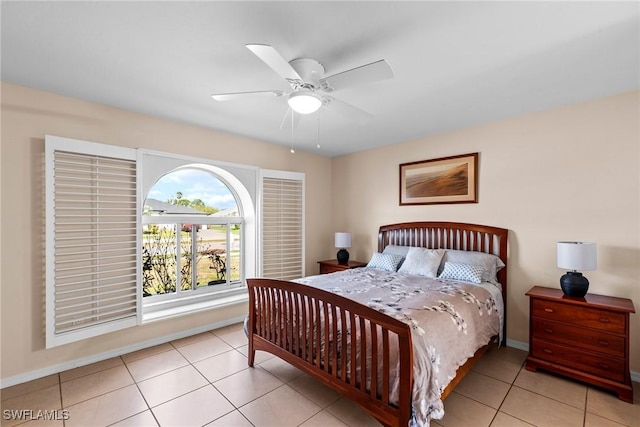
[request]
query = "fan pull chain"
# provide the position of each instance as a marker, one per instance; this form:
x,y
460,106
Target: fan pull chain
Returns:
x,y
292,150
318,144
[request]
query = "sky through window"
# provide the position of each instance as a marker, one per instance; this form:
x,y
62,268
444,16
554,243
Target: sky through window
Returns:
x,y
193,184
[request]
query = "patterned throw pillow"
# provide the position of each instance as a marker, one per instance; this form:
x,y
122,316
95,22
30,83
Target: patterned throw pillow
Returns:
x,y
388,262
462,272
491,263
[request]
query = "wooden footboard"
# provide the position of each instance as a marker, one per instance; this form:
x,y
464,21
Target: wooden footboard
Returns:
x,y
351,348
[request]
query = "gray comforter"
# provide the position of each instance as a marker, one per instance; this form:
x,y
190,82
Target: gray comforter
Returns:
x,y
450,320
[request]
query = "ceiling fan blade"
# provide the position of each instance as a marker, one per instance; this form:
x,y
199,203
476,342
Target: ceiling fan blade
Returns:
x,y
376,71
346,110
286,120
239,95
273,59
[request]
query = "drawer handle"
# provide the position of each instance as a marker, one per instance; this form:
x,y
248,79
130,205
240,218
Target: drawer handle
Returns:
x,y
603,342
549,310
548,330
603,365
546,350
604,319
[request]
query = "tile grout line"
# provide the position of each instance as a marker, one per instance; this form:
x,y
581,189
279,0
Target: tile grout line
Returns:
x,y
204,376
192,364
511,386
64,422
584,415
150,408
143,398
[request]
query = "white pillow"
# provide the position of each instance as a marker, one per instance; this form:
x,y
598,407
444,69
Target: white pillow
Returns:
x,y
388,262
396,250
462,272
491,263
422,262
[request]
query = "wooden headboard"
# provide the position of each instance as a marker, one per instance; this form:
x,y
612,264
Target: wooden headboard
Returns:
x,y
451,235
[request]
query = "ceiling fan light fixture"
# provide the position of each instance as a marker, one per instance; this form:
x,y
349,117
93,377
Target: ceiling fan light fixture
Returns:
x,y
304,102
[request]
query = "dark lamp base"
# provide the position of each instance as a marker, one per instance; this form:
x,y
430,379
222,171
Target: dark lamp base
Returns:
x,y
574,284
343,256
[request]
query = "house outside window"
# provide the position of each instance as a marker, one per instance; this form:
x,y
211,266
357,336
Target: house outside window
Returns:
x,y
192,234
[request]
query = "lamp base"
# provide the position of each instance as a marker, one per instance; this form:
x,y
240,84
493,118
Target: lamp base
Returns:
x,y
343,256
574,284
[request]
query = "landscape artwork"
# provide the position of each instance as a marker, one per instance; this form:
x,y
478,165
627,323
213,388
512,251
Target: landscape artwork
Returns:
x,y
437,181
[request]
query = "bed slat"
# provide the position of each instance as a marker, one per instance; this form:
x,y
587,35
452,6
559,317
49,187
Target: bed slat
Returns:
x,y
374,360
344,353
333,356
363,350
385,364
318,329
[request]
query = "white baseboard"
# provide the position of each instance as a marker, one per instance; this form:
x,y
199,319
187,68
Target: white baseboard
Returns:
x,y
61,367
635,376
518,344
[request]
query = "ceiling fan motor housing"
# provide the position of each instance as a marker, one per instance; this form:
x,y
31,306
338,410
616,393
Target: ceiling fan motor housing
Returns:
x,y
310,70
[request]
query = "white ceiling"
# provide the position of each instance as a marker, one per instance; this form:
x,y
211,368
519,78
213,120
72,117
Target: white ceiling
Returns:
x,y
456,64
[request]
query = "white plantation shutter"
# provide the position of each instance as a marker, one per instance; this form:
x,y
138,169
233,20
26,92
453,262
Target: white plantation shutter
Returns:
x,y
282,225
92,232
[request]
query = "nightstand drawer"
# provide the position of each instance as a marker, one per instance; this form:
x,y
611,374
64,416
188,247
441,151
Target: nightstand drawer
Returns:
x,y
332,266
588,339
579,316
603,366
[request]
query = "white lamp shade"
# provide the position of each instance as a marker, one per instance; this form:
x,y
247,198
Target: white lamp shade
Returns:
x,y
343,240
304,102
578,256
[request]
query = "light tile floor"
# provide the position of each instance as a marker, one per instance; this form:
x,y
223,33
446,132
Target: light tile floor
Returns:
x,y
204,380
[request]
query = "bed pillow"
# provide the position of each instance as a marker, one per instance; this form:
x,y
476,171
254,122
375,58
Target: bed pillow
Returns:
x,y
463,272
490,263
388,262
396,250
422,262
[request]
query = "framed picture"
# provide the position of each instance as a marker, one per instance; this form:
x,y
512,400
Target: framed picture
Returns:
x,y
437,181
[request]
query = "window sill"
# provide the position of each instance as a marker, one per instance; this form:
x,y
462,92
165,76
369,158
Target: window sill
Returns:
x,y
165,310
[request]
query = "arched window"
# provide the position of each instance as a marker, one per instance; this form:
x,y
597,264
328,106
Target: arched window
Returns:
x,y
192,236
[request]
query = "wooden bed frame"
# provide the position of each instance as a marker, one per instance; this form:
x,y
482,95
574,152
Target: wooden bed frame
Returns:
x,y
302,324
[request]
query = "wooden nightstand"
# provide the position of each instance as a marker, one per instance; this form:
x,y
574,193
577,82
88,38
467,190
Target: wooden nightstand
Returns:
x,y
583,338
331,266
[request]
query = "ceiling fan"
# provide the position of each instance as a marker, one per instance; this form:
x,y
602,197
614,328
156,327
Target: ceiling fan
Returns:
x,y
309,86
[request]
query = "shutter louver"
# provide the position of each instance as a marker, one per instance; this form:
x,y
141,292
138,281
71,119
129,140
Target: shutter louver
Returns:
x,y
92,273
282,228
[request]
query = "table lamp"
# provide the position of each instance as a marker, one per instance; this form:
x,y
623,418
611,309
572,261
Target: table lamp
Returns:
x,y
576,256
343,241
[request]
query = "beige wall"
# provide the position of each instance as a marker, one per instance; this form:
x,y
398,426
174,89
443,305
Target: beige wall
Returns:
x,y
571,173
27,116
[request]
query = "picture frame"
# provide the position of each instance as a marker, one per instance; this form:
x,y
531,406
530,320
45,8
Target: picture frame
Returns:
x,y
444,180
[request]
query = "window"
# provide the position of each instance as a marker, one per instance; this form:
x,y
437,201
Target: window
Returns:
x,y
192,237
115,259
198,245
